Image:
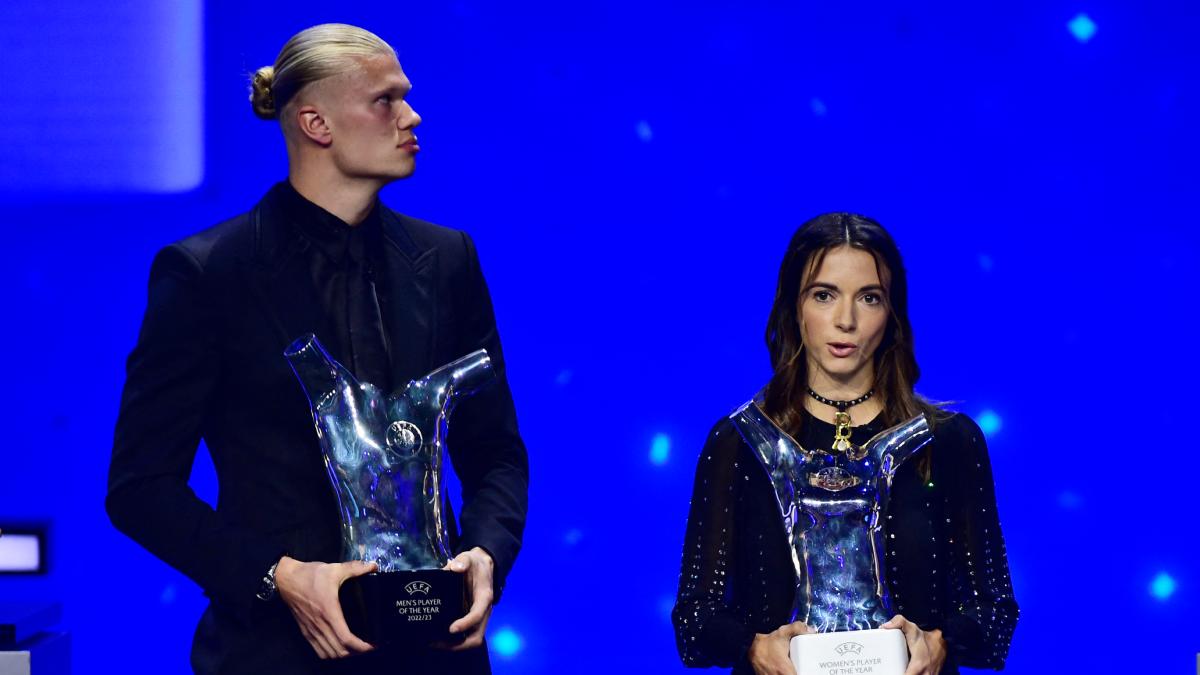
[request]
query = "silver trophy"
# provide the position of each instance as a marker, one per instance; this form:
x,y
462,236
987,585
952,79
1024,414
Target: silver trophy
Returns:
x,y
384,457
832,505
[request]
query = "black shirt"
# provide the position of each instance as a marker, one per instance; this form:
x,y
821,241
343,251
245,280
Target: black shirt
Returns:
x,y
344,260
945,559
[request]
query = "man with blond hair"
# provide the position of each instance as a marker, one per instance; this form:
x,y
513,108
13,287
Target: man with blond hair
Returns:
x,y
391,297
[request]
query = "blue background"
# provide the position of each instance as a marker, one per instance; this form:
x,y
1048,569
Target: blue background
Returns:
x,y
632,172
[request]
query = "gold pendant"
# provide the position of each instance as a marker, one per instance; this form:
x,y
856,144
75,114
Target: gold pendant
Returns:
x,y
841,437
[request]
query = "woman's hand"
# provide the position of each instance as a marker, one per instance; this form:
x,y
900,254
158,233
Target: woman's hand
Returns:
x,y
769,652
310,590
926,648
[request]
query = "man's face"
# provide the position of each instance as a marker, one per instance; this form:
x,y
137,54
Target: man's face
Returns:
x,y
370,122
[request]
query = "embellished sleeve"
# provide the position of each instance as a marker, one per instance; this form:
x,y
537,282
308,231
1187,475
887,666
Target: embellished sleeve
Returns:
x,y
983,612
707,631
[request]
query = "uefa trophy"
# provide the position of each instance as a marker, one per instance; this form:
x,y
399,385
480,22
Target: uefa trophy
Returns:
x,y
832,504
384,457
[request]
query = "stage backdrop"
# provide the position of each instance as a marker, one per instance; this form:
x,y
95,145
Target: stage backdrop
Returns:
x,y
632,172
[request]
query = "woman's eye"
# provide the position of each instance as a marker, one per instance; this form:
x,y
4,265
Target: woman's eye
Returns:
x,y
821,296
872,299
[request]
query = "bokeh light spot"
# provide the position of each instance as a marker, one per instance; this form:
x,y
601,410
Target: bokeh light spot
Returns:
x,y
666,604
660,449
1082,27
818,107
507,643
644,132
1069,500
1163,586
989,422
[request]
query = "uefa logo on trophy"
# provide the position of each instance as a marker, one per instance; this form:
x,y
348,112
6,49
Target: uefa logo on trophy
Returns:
x,y
384,456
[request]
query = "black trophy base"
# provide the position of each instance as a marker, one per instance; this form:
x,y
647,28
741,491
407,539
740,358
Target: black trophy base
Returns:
x,y
414,607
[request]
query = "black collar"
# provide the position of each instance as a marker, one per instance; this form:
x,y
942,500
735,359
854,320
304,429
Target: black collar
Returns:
x,y
326,232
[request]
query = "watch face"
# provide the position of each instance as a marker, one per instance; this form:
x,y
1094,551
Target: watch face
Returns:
x,y
266,588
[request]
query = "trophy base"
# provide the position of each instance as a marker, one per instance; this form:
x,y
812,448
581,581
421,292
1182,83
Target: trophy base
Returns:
x,y
881,651
413,607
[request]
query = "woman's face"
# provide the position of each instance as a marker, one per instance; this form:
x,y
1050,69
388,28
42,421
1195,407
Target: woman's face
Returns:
x,y
843,315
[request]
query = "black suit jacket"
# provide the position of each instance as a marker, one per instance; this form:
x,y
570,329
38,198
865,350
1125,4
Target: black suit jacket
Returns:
x,y
208,364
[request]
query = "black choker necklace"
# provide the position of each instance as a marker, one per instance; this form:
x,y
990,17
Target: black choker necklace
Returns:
x,y
841,421
840,405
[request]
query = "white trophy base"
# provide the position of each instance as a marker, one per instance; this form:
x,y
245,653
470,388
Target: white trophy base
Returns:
x,y
881,651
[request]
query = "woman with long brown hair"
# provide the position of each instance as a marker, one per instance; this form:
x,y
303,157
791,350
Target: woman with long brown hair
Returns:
x,y
841,349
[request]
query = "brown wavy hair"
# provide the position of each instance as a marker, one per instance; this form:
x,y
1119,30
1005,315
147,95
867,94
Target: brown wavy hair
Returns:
x,y
896,370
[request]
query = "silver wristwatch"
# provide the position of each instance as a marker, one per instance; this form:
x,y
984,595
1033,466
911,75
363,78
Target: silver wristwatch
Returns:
x,y
266,587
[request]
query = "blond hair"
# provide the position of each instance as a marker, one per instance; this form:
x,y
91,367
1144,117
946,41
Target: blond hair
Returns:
x,y
312,54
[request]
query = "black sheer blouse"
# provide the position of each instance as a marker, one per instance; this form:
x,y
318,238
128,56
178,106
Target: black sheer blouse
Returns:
x,y
945,560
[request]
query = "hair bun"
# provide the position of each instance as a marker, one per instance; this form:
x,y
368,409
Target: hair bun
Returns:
x,y
262,98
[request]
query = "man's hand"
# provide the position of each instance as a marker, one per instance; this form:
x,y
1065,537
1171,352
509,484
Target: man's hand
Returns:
x,y
926,649
477,565
310,590
769,651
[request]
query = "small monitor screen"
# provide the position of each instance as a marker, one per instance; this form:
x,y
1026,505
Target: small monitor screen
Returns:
x,y
22,552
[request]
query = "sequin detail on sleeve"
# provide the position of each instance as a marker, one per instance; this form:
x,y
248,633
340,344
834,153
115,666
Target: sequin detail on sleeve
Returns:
x,y
707,630
983,610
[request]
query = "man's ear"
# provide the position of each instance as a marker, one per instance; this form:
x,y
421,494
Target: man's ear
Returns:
x,y
314,125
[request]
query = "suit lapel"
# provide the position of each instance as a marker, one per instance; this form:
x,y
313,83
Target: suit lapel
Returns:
x,y
410,315
282,282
